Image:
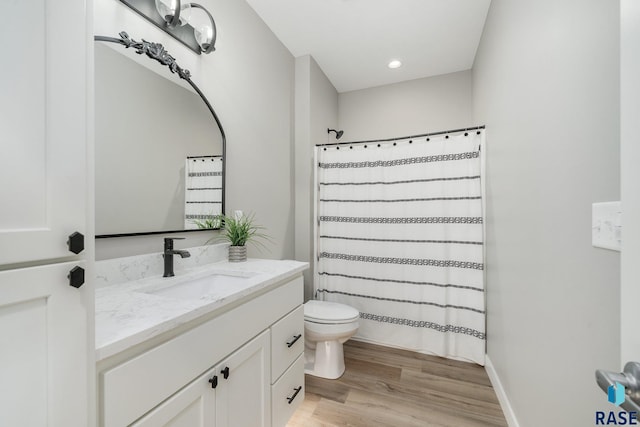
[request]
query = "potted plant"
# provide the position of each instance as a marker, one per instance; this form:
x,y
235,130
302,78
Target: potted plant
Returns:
x,y
239,230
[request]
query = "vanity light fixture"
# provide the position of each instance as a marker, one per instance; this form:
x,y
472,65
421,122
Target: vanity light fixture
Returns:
x,y
394,64
179,19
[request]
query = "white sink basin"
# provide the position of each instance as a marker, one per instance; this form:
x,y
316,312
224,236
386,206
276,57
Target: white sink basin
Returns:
x,y
203,287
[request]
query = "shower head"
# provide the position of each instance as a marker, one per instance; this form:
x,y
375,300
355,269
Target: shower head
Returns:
x,y
338,132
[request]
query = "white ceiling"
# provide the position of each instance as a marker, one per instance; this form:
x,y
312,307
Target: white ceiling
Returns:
x,y
354,40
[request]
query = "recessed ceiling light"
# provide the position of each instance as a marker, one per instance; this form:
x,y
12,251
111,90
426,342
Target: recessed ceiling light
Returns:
x,y
395,64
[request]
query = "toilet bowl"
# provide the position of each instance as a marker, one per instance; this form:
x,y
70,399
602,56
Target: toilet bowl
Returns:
x,y
327,325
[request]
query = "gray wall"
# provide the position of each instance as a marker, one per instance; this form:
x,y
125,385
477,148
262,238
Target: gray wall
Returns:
x,y
249,81
545,82
413,107
316,110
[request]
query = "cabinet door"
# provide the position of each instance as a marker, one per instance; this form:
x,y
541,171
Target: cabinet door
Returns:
x,y
43,360
43,82
193,406
244,397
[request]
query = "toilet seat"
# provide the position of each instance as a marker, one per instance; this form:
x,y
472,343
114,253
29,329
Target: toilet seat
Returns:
x,y
329,313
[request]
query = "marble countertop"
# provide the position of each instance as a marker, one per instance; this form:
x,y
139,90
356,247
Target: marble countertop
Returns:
x,y
130,313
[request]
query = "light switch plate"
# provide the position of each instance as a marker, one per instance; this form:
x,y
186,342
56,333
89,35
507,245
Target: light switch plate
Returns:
x,y
606,225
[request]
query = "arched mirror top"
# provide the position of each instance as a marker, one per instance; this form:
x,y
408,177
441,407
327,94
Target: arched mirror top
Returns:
x,y
160,168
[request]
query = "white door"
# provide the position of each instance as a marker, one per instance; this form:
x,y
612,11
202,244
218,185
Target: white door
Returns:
x,y
244,396
43,127
630,180
193,406
43,356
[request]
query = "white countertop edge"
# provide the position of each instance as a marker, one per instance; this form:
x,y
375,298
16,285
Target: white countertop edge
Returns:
x,y
265,279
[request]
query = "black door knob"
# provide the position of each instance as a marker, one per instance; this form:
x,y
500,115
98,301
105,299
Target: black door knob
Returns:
x,y
76,242
76,277
225,372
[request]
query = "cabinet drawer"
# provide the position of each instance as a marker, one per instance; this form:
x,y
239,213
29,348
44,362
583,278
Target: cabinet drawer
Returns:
x,y
287,342
287,393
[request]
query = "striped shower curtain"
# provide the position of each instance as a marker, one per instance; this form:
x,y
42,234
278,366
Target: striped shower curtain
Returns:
x,y
400,238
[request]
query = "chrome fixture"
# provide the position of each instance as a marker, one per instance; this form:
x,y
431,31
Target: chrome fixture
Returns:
x,y
179,19
629,379
338,132
168,254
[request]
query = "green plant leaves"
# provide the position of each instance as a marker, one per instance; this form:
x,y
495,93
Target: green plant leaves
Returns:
x,y
241,231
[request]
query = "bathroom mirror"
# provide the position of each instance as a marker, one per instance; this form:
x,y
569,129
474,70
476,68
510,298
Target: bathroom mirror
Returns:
x,y
159,146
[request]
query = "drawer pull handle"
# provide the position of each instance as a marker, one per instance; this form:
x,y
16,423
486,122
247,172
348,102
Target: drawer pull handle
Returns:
x,y
214,381
297,390
293,341
225,372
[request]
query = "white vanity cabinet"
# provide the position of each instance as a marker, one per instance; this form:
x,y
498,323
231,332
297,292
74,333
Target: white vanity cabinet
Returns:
x,y
236,368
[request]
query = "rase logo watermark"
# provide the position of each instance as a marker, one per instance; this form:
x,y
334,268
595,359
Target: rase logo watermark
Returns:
x,y
616,396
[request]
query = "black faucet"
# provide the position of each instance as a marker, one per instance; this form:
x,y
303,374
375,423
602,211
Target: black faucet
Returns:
x,y
168,254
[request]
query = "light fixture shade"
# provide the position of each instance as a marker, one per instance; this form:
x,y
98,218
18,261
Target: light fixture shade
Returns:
x,y
169,8
204,36
204,29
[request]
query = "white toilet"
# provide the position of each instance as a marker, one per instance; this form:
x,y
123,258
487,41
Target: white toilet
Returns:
x,y
326,326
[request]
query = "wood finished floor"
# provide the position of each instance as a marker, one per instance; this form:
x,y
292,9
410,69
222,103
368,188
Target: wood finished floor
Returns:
x,y
389,387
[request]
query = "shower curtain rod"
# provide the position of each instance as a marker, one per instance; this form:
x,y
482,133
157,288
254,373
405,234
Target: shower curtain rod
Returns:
x,y
402,137
203,157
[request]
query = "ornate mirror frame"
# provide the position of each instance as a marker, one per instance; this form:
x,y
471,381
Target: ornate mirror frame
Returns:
x,y
157,52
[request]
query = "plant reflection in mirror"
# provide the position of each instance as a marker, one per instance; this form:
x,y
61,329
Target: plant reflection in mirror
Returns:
x,y
213,222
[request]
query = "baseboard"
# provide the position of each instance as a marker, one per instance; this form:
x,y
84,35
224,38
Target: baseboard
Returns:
x,y
501,394
415,350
